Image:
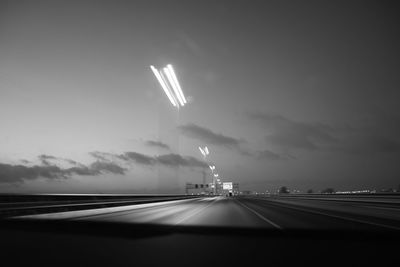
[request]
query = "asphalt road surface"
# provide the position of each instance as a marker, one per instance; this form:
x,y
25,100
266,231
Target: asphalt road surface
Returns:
x,y
211,231
267,213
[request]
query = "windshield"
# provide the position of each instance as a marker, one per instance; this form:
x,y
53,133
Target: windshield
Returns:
x,y
276,114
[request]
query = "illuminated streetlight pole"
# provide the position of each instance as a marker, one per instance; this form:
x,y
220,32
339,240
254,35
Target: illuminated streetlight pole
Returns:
x,y
216,180
205,152
169,83
212,167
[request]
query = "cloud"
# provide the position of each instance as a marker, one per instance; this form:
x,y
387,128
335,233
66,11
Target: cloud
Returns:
x,y
170,160
288,134
49,160
175,160
137,157
157,144
103,156
369,137
209,137
105,163
45,159
19,173
109,167
269,155
73,162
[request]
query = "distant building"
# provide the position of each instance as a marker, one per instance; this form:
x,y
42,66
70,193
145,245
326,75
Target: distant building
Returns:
x,y
199,189
230,189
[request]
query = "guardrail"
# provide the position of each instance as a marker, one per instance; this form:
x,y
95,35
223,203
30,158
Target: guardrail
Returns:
x,y
371,198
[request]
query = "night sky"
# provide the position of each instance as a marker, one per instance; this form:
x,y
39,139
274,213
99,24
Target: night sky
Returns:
x,y
303,94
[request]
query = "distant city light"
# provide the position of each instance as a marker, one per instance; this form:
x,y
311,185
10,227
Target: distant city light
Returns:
x,y
354,192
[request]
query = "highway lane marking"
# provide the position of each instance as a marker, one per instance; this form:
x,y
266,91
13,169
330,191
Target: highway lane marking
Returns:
x,y
195,212
337,216
260,216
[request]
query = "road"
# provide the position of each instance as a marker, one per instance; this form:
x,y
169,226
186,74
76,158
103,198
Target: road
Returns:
x,y
239,231
256,212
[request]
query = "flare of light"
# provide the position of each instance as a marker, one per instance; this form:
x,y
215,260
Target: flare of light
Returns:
x,y
206,150
212,167
163,85
173,85
216,175
169,66
168,86
202,151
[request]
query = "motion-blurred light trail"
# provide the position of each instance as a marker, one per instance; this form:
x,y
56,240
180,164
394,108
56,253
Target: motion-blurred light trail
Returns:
x,y
173,85
169,66
163,85
167,79
202,151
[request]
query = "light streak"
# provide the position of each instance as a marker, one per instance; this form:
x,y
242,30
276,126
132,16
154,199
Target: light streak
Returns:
x,y
174,86
169,66
169,88
163,85
202,151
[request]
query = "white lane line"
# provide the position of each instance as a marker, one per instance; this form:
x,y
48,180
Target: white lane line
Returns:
x,y
340,217
195,212
260,216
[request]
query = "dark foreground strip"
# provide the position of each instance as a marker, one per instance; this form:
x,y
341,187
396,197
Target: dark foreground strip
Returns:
x,y
342,215
134,230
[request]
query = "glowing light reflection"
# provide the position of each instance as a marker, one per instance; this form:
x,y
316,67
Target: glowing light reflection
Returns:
x,y
174,86
169,66
163,85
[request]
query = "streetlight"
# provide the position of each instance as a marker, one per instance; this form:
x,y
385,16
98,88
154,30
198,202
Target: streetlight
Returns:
x,y
169,83
205,152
